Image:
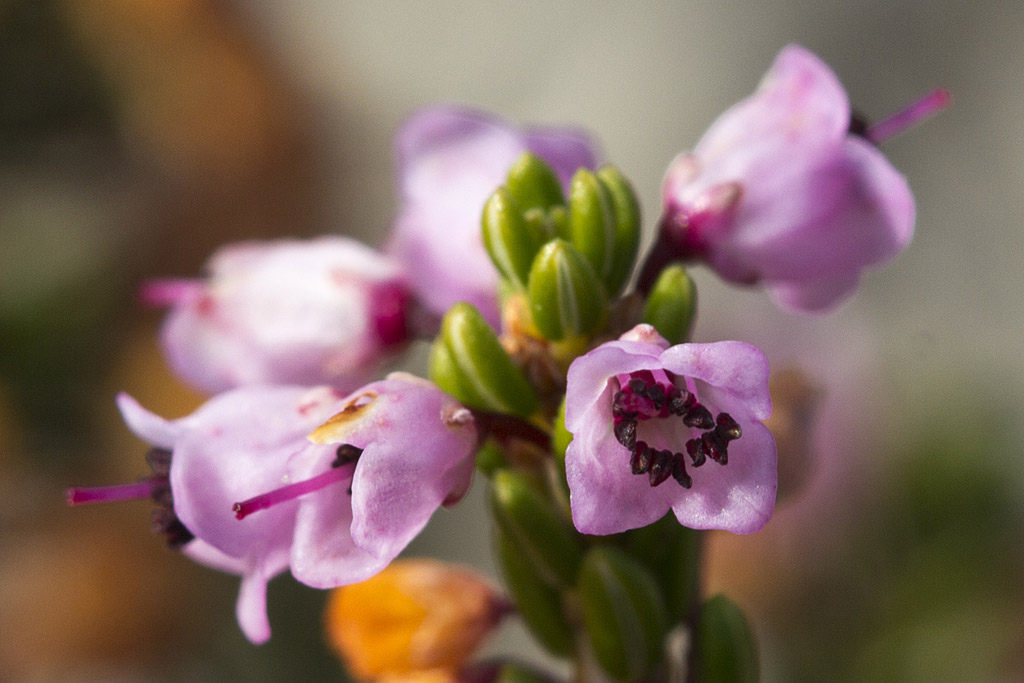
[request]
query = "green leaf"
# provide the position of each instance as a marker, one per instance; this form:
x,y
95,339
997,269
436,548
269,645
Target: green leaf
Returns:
x,y
623,612
726,647
535,528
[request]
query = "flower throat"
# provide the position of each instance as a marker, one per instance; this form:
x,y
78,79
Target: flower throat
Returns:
x,y
642,397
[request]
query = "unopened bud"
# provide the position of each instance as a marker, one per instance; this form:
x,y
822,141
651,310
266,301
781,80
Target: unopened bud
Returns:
x,y
626,211
672,305
566,297
511,240
592,221
468,362
534,184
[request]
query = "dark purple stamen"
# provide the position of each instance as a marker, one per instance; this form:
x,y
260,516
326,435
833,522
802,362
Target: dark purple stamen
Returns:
x,y
640,460
645,398
156,487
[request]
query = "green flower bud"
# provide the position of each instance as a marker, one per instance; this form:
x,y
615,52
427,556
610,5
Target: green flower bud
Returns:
x,y
535,528
592,221
511,240
468,362
534,184
566,298
727,651
538,604
626,210
623,612
672,305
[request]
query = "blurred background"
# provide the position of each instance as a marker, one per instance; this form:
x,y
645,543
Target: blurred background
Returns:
x,y
138,135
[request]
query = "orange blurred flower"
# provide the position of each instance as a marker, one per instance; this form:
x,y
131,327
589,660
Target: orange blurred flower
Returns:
x,y
418,620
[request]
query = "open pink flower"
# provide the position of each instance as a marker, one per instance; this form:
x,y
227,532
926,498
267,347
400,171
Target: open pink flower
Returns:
x,y
658,428
780,192
449,162
242,488
313,312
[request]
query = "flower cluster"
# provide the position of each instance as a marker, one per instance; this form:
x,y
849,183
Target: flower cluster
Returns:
x,y
580,397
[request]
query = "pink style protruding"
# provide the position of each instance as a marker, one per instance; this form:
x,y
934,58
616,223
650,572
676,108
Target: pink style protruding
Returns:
x,y
926,106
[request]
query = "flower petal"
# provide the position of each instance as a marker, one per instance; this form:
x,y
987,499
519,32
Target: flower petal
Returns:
x,y
153,429
734,368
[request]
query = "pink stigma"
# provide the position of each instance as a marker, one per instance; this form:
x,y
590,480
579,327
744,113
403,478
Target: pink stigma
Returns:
x,y
110,494
162,292
917,111
292,491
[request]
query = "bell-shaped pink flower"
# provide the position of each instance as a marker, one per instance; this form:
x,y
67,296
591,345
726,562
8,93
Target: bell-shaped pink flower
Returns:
x,y
780,192
449,162
658,428
323,311
242,488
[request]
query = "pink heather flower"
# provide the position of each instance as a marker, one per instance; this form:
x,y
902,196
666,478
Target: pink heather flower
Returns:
x,y
781,192
449,162
241,488
657,428
313,312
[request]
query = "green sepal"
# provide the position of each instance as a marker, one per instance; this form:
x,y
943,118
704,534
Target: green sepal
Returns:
x,y
672,305
623,612
592,221
671,552
468,362
539,533
534,184
538,604
566,297
727,651
626,211
511,240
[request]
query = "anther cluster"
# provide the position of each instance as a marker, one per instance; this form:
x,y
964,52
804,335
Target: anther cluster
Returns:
x,y
163,519
644,398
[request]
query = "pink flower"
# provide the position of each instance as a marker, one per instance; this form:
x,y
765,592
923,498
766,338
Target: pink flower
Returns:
x,y
657,428
780,192
449,162
241,487
323,311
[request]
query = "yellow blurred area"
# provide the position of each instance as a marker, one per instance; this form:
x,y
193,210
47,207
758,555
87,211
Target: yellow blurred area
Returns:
x,y
418,619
